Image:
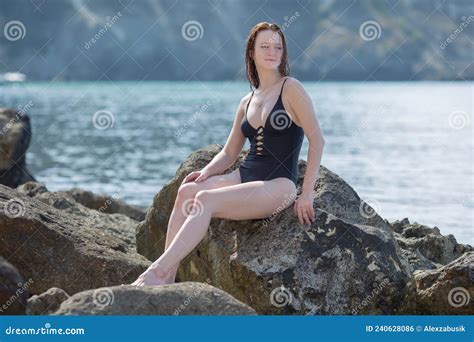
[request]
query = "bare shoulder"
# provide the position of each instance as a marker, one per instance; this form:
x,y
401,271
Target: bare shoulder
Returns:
x,y
244,100
297,100
295,88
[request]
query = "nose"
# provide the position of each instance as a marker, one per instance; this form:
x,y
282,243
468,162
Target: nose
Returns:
x,y
272,51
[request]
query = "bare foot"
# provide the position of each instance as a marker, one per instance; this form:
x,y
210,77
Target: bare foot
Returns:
x,y
170,279
152,276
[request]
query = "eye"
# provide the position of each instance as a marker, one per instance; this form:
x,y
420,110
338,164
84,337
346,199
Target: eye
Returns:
x,y
264,46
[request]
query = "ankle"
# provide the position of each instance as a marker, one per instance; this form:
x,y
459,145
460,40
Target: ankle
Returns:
x,y
160,271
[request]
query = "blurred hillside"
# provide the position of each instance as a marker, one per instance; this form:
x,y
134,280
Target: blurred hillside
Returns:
x,y
205,40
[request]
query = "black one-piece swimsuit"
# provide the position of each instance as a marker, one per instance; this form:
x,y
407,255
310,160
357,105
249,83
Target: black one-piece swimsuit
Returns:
x,y
274,147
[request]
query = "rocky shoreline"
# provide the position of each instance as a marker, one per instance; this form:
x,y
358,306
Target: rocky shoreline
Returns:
x,y
69,252
64,255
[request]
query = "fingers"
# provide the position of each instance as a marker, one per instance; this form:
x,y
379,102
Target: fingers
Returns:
x,y
306,217
201,178
300,215
304,211
190,177
298,210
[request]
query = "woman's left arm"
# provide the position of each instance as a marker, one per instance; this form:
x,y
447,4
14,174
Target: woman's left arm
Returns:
x,y
302,108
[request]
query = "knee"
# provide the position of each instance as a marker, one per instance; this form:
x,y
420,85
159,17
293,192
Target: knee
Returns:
x,y
186,191
202,195
203,198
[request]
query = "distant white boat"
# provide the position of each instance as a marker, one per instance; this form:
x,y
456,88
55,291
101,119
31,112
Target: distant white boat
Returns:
x,y
12,77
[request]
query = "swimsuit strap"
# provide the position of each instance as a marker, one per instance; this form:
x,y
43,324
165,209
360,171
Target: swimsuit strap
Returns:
x,y
281,92
249,102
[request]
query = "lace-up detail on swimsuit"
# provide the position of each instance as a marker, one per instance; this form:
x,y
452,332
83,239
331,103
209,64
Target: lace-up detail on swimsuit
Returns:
x,y
259,143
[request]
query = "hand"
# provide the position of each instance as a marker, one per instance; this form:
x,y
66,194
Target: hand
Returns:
x,y
196,176
303,208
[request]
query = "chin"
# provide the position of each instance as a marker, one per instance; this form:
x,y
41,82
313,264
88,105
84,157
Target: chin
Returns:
x,y
270,65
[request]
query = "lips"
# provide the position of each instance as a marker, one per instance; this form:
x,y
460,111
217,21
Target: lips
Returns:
x,y
271,60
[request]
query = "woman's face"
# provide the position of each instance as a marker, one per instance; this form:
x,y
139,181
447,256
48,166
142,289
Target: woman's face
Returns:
x,y
268,49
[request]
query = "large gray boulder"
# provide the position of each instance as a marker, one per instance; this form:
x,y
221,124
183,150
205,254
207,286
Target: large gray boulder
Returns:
x,y
425,247
14,291
106,204
118,225
448,290
14,139
188,298
346,262
46,302
60,248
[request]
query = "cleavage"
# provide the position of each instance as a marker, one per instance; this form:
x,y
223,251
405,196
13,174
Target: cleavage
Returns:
x,y
266,112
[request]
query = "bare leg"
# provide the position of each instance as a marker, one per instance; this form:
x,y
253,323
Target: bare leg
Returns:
x,y
181,209
261,198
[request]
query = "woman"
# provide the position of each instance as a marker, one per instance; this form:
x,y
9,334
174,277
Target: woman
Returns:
x,y
274,117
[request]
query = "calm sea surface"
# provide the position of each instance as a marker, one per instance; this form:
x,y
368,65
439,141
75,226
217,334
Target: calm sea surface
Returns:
x,y
406,148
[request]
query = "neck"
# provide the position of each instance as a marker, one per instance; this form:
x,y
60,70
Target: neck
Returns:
x,y
268,78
